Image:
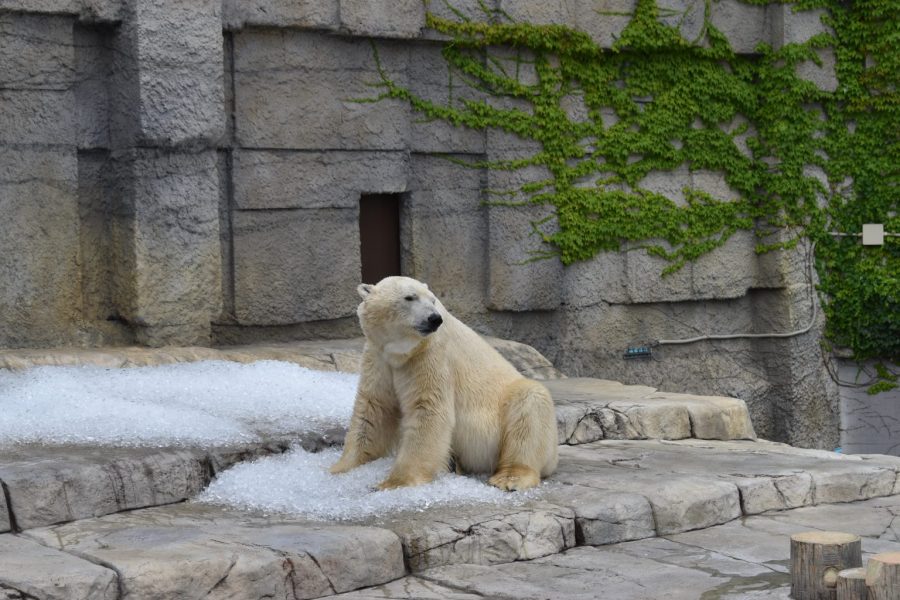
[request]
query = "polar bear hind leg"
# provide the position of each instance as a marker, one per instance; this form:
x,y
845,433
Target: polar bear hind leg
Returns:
x,y
528,448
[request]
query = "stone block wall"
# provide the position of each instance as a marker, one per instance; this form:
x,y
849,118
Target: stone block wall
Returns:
x,y
190,172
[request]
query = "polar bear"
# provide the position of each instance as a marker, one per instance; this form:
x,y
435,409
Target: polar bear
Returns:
x,y
432,390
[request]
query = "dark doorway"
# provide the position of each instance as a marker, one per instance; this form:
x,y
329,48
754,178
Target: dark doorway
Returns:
x,y
379,236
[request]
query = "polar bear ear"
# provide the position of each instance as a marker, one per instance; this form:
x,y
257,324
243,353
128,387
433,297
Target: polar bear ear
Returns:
x,y
364,289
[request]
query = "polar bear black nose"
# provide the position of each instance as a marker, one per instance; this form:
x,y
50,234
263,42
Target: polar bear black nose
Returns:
x,y
434,321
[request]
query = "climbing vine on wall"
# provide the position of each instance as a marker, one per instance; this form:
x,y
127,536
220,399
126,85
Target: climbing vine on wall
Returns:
x,y
601,120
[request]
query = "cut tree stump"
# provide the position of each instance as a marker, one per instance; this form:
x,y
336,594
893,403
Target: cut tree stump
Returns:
x,y
816,559
851,584
883,576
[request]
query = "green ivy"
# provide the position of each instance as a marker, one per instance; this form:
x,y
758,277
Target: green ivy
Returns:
x,y
603,119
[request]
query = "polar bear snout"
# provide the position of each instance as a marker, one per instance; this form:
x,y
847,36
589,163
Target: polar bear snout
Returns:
x,y
431,324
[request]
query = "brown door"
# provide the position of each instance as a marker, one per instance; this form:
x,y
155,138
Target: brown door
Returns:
x,y
379,236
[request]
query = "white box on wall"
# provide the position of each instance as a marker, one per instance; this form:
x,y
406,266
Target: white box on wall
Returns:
x,y
873,234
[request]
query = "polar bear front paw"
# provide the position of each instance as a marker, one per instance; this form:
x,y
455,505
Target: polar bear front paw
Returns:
x,y
341,466
398,481
515,477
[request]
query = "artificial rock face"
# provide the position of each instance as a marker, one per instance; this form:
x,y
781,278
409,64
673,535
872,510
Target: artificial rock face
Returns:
x,y
432,389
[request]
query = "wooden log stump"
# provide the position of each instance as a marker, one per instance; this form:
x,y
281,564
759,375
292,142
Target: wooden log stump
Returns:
x,y
851,584
816,559
883,576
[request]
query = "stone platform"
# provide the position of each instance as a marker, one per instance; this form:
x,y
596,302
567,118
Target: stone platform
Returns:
x,y
640,472
605,493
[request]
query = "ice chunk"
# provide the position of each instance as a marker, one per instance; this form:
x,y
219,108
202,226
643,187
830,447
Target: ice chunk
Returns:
x,y
298,483
202,403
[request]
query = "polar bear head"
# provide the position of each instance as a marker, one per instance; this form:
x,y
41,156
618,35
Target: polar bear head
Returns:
x,y
400,312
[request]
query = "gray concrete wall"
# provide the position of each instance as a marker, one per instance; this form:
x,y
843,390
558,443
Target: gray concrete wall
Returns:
x,y
189,172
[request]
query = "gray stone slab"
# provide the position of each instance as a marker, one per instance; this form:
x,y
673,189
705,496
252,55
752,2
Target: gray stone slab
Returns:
x,y
728,271
580,573
37,117
169,88
188,551
325,77
431,79
166,243
92,73
869,424
410,587
36,571
740,540
482,534
36,52
646,283
40,295
680,502
383,18
443,216
605,517
669,551
87,11
52,485
593,409
602,278
294,266
744,25
712,417
518,282
862,518
769,476
314,14
602,22
528,361
276,180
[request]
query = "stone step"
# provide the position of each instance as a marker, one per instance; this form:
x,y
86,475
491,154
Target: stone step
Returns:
x,y
590,409
44,485
192,551
604,492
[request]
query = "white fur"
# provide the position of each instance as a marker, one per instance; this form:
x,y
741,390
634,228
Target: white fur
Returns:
x,y
433,396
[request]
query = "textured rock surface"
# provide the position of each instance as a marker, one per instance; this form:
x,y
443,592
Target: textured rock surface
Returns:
x,y
383,18
741,560
36,571
189,551
53,485
277,180
267,242
39,300
48,485
482,535
604,493
693,483
315,14
869,424
603,517
166,244
594,409
445,216
169,77
324,76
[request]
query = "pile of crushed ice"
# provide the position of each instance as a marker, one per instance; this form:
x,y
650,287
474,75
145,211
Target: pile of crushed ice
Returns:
x,y
201,403
298,483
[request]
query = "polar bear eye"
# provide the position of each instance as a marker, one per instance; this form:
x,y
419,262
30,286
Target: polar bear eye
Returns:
x,y
409,298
